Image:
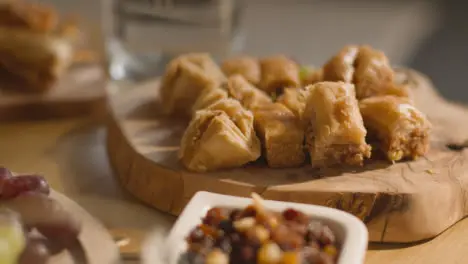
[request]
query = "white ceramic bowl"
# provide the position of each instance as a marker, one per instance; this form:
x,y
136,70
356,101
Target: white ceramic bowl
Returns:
x,y
349,230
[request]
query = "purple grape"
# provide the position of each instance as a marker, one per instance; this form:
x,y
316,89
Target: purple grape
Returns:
x,y
14,186
5,173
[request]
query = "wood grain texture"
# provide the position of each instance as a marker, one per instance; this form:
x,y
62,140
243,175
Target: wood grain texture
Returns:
x,y
81,92
404,202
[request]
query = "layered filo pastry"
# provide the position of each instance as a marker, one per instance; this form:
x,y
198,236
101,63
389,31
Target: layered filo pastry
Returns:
x,y
209,97
335,133
277,127
247,67
249,96
278,72
295,100
185,79
369,69
36,48
218,137
401,131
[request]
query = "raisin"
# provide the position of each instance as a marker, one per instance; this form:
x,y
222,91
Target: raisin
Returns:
x,y
290,214
295,216
249,211
214,216
226,226
197,235
235,215
224,243
248,254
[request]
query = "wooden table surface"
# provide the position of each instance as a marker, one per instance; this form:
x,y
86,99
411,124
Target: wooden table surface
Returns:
x,y
71,154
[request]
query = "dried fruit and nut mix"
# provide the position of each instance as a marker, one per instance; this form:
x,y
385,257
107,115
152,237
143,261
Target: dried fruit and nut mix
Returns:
x,y
255,235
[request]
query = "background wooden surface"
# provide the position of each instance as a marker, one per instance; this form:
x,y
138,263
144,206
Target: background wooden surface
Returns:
x,y
81,92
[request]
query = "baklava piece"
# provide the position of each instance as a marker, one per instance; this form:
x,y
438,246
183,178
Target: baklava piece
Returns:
x,y
219,137
281,134
373,74
38,60
209,97
34,51
278,128
250,97
29,16
279,72
368,68
295,100
341,66
185,79
248,67
401,130
335,131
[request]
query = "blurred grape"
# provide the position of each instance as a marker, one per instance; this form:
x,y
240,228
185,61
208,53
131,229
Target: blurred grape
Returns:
x,y
5,173
14,186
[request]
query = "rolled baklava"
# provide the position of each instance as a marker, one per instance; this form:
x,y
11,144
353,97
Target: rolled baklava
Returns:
x,y
400,130
369,69
335,133
186,77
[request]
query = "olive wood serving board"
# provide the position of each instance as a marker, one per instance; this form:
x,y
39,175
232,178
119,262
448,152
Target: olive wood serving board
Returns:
x,y
402,202
81,92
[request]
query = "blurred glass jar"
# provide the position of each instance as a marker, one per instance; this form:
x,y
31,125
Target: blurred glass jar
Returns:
x,y
141,36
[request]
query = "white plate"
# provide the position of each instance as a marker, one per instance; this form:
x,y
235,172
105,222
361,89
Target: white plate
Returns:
x,y
349,230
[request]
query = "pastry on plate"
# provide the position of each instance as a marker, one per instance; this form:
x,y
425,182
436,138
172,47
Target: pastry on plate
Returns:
x,y
35,47
400,130
278,72
335,133
186,77
369,69
243,91
277,127
248,67
295,100
209,97
36,59
281,134
219,137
